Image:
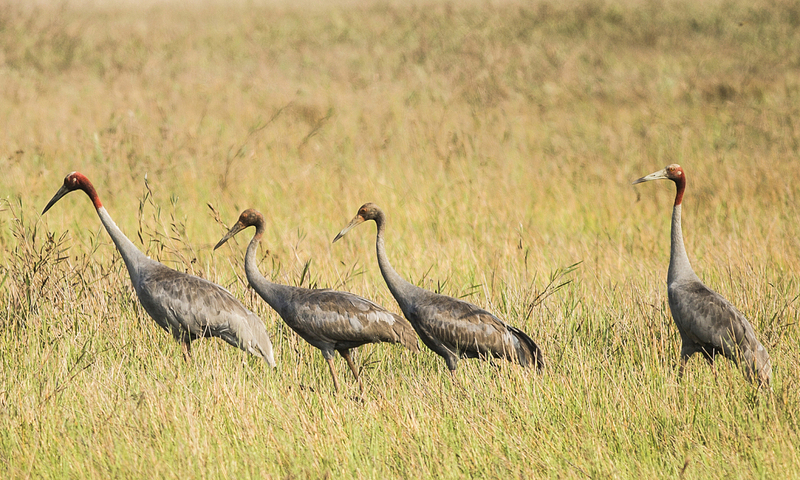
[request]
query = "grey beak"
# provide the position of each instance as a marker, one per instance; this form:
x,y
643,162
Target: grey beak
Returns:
x,y
60,193
236,228
355,221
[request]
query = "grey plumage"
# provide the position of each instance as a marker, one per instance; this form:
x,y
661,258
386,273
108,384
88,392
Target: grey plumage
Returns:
x,y
451,328
330,320
707,323
187,306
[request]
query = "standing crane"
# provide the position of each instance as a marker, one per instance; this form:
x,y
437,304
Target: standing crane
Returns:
x,y
330,320
189,307
708,324
452,328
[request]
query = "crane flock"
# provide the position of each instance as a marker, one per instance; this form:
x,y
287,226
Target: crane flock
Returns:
x,y
190,307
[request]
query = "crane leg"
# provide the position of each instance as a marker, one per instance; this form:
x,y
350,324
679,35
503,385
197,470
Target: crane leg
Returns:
x,y
187,350
714,369
333,373
456,382
682,367
346,355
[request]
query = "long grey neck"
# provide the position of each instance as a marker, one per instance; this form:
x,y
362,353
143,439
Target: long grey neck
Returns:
x,y
132,256
402,290
679,267
275,295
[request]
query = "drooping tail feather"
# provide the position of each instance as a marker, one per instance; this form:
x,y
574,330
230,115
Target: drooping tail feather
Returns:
x,y
255,340
757,365
405,332
530,354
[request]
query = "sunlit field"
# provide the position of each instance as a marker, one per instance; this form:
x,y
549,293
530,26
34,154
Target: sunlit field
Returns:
x,y
500,138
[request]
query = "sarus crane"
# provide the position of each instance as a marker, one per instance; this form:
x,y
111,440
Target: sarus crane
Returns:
x,y
707,323
187,306
452,328
330,320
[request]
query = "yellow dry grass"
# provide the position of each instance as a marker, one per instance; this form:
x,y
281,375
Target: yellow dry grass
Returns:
x,y
500,139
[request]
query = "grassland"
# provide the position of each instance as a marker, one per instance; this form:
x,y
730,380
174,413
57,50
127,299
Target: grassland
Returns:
x,y
500,138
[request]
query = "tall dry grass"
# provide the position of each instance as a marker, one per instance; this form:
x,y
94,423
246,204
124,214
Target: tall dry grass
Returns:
x,y
499,138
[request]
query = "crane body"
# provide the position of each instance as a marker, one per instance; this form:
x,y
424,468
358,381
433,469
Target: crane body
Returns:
x,y
184,305
708,323
329,320
452,328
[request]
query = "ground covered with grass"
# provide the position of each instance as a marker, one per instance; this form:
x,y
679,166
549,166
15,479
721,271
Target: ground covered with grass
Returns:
x,y
500,139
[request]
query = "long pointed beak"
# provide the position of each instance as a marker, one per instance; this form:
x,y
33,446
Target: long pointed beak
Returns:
x,y
236,228
60,193
659,175
354,222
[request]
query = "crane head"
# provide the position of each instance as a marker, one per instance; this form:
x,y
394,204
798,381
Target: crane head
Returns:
x,y
368,211
74,181
248,218
672,172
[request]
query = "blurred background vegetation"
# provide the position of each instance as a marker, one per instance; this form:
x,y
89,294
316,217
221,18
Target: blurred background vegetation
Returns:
x,y
499,137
